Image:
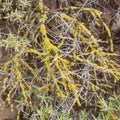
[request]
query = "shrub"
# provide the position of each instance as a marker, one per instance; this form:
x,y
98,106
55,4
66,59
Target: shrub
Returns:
x,y
60,55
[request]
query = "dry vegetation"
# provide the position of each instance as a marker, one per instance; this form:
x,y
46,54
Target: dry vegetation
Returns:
x,y
56,60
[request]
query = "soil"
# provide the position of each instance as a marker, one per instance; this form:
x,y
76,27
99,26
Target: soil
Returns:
x,y
6,113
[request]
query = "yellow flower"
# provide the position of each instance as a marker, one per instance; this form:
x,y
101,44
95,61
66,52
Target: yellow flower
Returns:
x,y
43,29
40,5
66,17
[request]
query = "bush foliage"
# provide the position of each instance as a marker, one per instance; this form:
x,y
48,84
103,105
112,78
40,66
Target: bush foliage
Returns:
x,y
55,60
